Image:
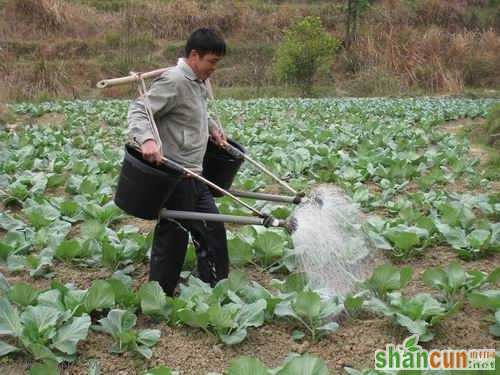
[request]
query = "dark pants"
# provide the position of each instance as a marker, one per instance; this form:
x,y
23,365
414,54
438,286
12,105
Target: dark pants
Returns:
x,y
171,239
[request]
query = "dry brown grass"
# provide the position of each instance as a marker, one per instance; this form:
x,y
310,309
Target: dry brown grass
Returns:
x,y
177,19
43,19
40,79
53,68
46,14
434,58
56,47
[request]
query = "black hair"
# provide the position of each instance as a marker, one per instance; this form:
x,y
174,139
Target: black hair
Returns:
x,y
205,40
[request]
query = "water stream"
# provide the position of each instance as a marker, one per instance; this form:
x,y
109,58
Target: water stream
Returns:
x,y
331,247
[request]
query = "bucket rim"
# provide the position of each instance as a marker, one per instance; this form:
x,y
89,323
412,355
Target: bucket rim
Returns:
x,y
218,152
134,156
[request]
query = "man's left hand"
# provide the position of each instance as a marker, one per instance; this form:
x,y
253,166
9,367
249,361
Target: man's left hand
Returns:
x,y
218,136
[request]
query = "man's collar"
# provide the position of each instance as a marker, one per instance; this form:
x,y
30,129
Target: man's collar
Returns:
x,y
186,69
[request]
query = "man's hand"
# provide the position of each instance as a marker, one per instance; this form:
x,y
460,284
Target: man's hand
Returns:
x,y
151,152
218,137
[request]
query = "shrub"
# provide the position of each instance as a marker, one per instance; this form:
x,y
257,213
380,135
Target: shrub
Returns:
x,y
306,48
492,125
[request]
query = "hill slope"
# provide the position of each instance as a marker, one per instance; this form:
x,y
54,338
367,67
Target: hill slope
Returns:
x,y
56,48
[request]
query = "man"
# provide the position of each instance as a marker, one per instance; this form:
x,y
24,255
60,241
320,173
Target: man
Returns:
x,y
178,102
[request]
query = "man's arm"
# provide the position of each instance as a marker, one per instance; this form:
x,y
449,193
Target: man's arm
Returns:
x,y
216,132
162,98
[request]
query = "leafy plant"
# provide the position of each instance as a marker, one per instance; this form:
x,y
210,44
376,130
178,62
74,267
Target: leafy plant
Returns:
x,y
487,299
73,249
240,251
227,311
387,278
153,300
159,370
22,294
106,214
293,365
417,314
313,313
459,226
44,332
454,282
353,304
269,246
16,193
399,237
119,324
100,296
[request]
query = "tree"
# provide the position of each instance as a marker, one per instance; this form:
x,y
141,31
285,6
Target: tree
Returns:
x,y
305,49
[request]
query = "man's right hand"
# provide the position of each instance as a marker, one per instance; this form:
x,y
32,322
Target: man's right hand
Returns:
x,y
151,152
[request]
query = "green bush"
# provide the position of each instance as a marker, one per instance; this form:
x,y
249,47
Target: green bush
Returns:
x,y
492,125
306,48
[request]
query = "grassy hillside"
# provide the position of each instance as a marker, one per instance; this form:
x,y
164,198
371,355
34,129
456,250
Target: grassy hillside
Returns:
x,y
56,48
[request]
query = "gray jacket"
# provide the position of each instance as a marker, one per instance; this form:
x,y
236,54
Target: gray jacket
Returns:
x,y
178,101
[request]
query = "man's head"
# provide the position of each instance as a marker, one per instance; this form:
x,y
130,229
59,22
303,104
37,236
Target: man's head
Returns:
x,y
204,48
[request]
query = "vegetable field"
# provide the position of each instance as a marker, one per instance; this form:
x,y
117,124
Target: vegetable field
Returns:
x,y
74,291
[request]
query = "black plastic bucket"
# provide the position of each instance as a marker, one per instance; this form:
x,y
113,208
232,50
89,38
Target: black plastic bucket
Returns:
x,y
143,188
220,166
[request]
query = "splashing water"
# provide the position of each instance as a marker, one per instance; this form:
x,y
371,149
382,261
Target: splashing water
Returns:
x,y
330,244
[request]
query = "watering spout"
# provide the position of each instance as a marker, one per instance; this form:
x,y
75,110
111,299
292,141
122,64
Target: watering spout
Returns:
x,y
291,224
